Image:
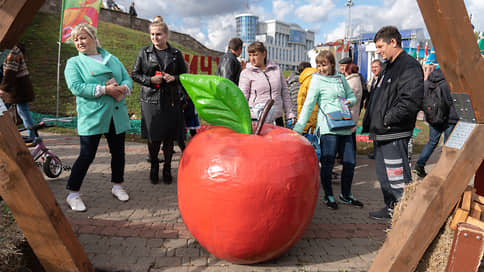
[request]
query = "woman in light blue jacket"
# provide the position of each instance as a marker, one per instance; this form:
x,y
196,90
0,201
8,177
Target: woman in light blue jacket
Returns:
x,y
326,88
100,82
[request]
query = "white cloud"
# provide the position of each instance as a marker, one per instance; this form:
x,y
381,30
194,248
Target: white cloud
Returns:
x,y
220,30
192,26
282,8
315,11
205,8
213,24
337,33
476,9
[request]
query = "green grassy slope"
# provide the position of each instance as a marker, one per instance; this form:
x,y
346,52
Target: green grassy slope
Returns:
x,y
40,39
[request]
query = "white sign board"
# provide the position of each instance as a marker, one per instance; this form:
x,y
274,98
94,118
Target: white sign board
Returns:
x,y
459,136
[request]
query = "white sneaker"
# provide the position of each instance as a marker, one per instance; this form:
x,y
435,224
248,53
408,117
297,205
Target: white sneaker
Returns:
x,y
120,194
76,204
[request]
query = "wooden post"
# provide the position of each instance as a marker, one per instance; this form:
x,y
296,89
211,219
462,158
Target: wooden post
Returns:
x,y
460,60
34,207
16,16
22,186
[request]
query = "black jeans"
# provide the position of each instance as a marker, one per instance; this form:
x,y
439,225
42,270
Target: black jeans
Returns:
x,y
392,168
87,154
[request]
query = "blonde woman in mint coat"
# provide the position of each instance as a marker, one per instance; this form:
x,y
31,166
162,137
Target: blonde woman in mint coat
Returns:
x,y
325,89
100,82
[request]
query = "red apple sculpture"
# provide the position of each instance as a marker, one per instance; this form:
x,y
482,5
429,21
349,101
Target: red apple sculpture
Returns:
x,y
246,198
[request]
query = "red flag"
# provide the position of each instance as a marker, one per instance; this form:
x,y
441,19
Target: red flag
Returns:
x,y
426,49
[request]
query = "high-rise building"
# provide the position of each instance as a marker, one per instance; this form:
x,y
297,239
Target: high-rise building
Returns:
x,y
246,25
287,44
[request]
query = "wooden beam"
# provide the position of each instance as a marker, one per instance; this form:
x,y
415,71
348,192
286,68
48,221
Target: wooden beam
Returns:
x,y
16,16
456,48
34,207
460,215
434,199
476,211
466,201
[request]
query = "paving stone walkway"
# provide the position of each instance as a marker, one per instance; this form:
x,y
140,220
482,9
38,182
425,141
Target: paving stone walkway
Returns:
x,y
147,232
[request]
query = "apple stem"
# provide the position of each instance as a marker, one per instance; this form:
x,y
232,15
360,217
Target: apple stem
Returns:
x,y
262,119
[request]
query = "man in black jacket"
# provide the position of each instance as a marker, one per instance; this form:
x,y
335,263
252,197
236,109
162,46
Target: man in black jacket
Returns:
x,y
391,115
229,66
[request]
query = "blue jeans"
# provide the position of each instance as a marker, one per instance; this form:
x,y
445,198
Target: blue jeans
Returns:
x,y
87,154
24,113
330,144
434,138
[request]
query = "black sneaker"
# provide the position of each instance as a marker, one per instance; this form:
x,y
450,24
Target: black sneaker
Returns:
x,y
371,156
329,201
382,214
350,200
420,171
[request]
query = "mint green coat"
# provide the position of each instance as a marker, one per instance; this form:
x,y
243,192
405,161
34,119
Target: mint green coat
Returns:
x,y
82,75
325,90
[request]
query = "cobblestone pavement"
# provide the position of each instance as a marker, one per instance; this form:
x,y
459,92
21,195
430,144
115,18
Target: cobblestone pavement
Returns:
x,y
147,232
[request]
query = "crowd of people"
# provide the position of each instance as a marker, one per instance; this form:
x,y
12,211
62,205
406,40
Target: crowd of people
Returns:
x,y
305,102
392,98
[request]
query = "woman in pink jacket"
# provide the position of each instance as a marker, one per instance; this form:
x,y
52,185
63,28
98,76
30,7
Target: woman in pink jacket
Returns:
x,y
262,80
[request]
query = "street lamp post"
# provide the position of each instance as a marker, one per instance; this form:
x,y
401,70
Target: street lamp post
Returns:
x,y
348,4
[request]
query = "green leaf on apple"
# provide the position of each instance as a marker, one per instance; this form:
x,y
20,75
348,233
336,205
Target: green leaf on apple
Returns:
x,y
218,101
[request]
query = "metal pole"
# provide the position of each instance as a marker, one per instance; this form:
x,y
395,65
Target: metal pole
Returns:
x,y
348,34
58,81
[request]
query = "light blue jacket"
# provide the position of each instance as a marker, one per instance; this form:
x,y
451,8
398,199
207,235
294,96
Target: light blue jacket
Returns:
x,y
82,75
325,90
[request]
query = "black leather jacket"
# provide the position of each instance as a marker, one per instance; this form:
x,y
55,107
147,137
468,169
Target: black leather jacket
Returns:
x,y
393,107
146,65
229,67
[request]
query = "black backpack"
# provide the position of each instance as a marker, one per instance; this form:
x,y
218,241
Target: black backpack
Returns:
x,y
435,105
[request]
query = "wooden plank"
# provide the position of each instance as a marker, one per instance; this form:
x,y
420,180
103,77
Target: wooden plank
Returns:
x,y
34,207
460,215
467,249
466,200
475,222
433,201
478,198
456,48
476,210
16,16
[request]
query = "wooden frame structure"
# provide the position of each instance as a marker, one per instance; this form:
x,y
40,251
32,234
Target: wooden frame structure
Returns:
x,y
460,60
22,185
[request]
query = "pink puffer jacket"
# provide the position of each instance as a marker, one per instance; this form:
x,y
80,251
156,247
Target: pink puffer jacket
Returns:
x,y
258,87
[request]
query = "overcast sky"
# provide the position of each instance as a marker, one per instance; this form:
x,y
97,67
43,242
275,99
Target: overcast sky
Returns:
x,y
212,22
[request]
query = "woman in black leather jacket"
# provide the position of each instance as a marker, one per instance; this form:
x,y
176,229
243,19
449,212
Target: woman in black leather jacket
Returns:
x,y
157,69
